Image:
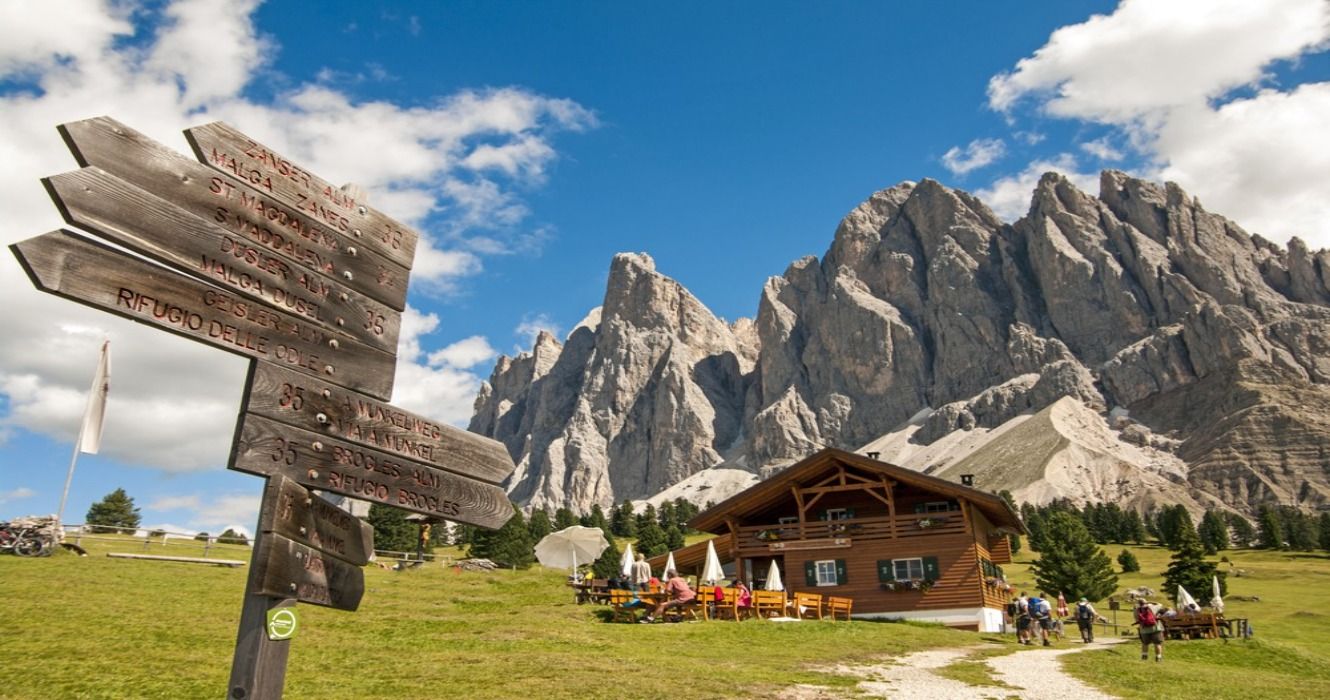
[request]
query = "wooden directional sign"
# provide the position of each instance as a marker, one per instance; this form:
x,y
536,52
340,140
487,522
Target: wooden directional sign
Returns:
x,y
245,211
307,518
232,152
145,223
292,570
74,267
304,402
318,461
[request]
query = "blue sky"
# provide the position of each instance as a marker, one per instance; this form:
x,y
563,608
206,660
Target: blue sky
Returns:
x,y
529,142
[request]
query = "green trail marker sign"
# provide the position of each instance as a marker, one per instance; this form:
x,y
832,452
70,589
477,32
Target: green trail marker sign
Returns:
x,y
258,256
282,624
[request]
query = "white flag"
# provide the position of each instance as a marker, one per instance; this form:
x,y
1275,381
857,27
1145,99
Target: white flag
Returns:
x,y
96,412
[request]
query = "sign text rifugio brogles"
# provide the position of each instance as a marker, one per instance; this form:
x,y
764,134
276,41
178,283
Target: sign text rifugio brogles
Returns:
x,y
260,257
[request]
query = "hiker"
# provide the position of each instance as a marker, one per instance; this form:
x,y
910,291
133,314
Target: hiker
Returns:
x,y
1085,617
1023,619
1041,616
680,595
1150,628
641,573
1012,611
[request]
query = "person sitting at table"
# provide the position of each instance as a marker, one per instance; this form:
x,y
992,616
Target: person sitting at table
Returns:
x,y
744,595
679,596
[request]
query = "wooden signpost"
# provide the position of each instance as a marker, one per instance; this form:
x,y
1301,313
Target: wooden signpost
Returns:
x,y
262,258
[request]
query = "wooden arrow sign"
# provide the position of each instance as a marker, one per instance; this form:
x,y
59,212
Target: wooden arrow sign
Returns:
x,y
304,402
147,224
77,268
292,570
230,151
321,462
243,210
308,519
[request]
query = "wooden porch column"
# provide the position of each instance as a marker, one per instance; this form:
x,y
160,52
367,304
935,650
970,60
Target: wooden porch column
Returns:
x,y
891,504
799,500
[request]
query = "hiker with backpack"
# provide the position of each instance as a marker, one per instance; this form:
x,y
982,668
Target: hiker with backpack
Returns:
x,y
1150,628
1023,619
1041,615
1085,617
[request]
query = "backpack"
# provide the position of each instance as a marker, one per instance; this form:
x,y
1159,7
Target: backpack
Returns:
x,y
1145,616
1013,609
1034,605
1083,612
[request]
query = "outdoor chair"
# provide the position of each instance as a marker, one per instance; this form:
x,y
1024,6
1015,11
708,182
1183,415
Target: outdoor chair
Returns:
x,y
625,605
839,606
600,590
769,603
704,595
808,605
727,609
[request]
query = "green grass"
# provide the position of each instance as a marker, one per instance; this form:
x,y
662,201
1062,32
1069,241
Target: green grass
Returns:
x,y
972,670
1289,657
96,627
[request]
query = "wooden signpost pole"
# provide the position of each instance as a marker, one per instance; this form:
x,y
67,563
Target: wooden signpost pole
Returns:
x,y
262,258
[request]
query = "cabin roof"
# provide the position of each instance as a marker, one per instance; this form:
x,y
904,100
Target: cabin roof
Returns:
x,y
693,556
761,494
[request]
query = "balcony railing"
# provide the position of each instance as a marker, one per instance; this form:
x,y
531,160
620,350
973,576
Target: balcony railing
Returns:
x,y
761,537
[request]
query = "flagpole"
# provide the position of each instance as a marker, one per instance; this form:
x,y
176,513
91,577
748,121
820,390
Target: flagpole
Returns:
x,y
96,397
69,478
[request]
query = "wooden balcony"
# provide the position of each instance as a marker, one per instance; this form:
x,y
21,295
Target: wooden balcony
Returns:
x,y
760,540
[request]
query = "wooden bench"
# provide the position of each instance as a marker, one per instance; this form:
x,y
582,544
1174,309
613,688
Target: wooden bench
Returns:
x,y
625,605
1193,626
728,607
599,591
839,606
808,604
769,603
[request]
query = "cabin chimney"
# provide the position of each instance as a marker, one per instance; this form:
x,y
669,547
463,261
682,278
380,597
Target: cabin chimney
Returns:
x,y
967,479
873,455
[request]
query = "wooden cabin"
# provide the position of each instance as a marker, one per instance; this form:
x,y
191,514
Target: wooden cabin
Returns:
x,y
900,543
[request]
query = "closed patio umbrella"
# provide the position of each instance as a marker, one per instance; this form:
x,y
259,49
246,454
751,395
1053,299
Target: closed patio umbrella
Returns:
x,y
626,563
669,564
773,579
1185,601
711,571
565,548
1217,602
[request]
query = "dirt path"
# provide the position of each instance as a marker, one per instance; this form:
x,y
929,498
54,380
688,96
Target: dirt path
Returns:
x,y
913,677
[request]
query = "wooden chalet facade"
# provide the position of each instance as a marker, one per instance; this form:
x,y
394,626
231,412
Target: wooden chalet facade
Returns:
x,y
900,543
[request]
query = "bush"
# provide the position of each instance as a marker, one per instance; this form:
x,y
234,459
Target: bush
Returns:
x,y
1128,562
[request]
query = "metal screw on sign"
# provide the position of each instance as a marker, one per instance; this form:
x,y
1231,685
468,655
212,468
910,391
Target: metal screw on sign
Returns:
x,y
304,530
332,343
321,418
328,369
313,474
361,210
327,394
356,233
341,321
352,251
347,274
344,296
318,446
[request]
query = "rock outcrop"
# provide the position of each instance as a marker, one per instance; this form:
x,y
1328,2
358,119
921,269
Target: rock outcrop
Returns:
x,y
928,312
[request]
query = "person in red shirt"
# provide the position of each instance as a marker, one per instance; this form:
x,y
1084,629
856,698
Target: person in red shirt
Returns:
x,y
680,595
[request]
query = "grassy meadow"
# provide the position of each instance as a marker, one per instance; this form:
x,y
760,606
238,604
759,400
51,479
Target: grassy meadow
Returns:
x,y
97,627
1288,656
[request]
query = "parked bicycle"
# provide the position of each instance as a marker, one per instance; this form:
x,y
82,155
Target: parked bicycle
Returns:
x,y
29,537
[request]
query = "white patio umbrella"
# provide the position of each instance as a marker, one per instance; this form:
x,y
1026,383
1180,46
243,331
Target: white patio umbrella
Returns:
x,y
711,571
1185,601
773,579
565,548
669,564
626,563
1217,602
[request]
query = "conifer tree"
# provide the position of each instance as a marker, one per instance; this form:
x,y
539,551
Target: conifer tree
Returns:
x,y
231,536
1013,540
510,545
1133,528
624,523
674,537
1299,529
1070,562
1244,535
1323,527
1270,534
607,564
651,539
1174,525
666,515
1128,562
563,517
392,531
115,510
596,518
539,525
1034,524
647,515
1213,532
1189,569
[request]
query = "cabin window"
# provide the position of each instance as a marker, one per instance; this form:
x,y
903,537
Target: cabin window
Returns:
x,y
789,520
908,569
837,514
826,572
938,506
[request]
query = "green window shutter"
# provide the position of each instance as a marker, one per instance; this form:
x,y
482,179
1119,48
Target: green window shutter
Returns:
x,y
841,576
932,571
849,512
810,573
918,507
885,570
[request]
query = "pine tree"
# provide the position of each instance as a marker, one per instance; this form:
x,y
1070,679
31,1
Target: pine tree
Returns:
x,y
231,536
666,515
563,517
596,518
1013,540
1213,532
1299,529
1244,535
510,545
1128,562
1270,534
1133,528
623,523
607,565
1189,569
539,525
1034,524
651,539
1174,525
392,531
115,510
201,537
463,534
1070,561
674,537
1323,534
648,515
686,511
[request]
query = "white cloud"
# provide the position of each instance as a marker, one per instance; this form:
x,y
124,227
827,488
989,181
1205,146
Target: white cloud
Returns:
x,y
975,155
1188,87
446,166
531,326
463,354
1009,197
439,385
16,494
1101,149
210,513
